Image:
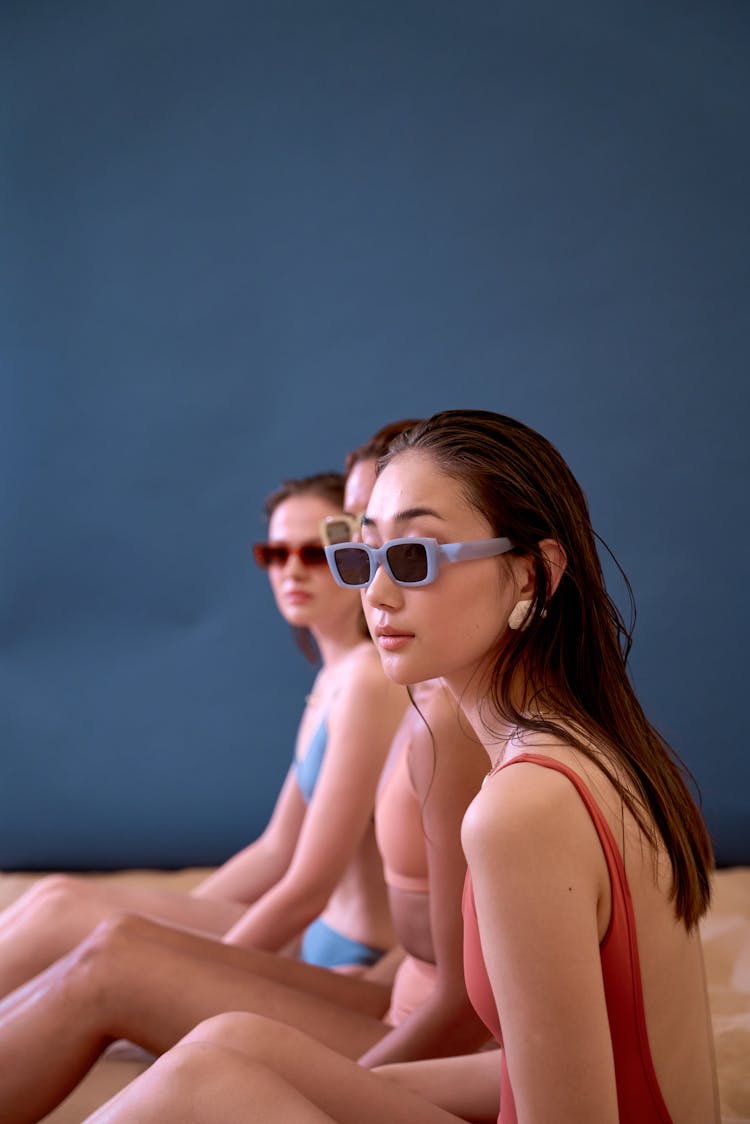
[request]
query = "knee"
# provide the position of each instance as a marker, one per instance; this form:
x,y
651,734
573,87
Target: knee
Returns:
x,y
197,1077
177,1081
199,1060
97,967
258,1038
112,939
55,891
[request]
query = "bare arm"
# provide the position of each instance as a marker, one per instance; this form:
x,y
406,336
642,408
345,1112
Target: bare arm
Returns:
x,y
446,778
539,876
361,724
467,1085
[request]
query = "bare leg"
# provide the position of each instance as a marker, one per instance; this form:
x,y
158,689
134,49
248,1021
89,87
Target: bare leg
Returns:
x,y
260,1067
150,984
58,912
199,1082
137,934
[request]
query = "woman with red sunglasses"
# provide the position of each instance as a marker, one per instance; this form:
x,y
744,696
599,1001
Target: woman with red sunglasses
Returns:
x,y
315,869
589,863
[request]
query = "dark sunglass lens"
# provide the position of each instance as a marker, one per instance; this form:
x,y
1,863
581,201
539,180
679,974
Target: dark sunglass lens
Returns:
x,y
338,531
266,554
353,565
408,561
312,556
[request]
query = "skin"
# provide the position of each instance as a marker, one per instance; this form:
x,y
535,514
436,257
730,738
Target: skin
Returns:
x,y
542,913
221,1071
359,485
446,776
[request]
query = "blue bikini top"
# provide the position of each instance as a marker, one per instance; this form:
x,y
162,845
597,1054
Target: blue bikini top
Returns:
x,y
307,769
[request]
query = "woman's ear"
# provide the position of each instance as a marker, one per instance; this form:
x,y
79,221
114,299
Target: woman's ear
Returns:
x,y
555,559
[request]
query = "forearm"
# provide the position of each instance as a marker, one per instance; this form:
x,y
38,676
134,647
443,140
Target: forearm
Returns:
x,y
441,1027
246,877
467,1086
280,916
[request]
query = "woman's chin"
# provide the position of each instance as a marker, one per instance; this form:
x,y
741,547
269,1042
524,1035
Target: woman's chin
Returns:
x,y
393,666
404,669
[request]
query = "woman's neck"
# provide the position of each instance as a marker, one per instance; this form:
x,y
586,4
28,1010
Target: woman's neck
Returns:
x,y
334,647
493,730
334,652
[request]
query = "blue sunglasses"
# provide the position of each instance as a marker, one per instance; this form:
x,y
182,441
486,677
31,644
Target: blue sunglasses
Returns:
x,y
405,561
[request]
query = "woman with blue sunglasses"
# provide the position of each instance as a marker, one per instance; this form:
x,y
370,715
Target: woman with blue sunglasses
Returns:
x,y
589,863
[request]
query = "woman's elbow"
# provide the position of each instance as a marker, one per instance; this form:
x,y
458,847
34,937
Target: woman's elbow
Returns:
x,y
461,1029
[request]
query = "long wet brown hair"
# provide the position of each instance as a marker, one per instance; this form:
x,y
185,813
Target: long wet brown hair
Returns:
x,y
327,486
574,650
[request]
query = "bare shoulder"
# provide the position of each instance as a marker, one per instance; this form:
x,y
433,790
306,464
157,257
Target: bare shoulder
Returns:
x,y
531,846
365,694
364,662
365,671
527,807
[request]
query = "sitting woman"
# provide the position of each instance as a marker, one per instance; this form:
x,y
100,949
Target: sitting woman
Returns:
x,y
589,863
317,858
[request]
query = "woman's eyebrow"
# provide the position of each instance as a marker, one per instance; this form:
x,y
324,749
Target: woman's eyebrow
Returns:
x,y
404,516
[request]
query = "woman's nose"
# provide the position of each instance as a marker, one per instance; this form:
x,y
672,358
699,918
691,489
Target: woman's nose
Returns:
x,y
383,591
293,565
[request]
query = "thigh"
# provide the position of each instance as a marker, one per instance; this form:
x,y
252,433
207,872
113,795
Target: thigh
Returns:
x,y
152,985
346,1092
356,993
72,905
200,1083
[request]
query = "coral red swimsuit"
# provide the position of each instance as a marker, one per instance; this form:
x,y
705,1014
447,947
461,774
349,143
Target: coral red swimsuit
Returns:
x,y
639,1098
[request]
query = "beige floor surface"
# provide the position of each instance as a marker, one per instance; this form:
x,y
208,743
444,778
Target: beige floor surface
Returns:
x,y
726,941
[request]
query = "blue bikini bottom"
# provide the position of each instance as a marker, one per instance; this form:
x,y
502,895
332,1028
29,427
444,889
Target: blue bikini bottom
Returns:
x,y
324,946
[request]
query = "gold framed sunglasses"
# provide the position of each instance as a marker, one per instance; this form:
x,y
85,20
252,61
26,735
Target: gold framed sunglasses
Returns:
x,y
340,528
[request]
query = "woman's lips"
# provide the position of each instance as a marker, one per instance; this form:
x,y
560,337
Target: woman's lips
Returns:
x,y
297,597
391,640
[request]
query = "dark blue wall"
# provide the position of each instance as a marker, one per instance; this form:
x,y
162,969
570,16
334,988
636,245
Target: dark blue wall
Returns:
x,y
237,237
